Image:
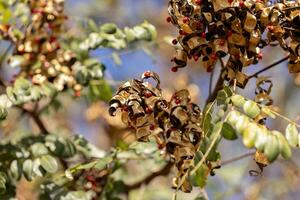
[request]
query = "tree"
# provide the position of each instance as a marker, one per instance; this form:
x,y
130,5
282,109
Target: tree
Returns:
x,y
173,133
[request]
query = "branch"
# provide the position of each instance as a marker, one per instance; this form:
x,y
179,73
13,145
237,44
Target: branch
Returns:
x,y
225,162
211,81
36,119
219,85
164,171
268,67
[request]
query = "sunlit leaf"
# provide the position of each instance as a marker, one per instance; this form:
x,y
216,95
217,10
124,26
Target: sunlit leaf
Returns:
x,y
49,163
228,132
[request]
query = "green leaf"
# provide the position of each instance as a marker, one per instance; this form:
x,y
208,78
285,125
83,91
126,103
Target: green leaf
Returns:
x,y
249,135
2,187
272,148
103,162
108,28
37,168
116,58
49,163
221,97
92,25
228,91
251,109
200,177
16,169
291,134
228,132
206,122
38,149
28,169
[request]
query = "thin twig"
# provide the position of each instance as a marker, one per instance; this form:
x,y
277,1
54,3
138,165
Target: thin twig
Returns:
x,y
207,152
285,118
36,119
5,53
211,81
225,162
218,86
268,67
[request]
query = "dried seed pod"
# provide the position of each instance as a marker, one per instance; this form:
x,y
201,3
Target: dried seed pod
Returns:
x,y
175,124
235,28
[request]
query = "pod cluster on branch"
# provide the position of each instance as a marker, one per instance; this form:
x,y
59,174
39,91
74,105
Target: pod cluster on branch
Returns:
x,y
175,124
38,51
212,29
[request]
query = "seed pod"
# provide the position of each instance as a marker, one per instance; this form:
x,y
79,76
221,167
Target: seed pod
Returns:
x,y
251,109
241,124
291,133
249,135
271,149
238,100
284,147
261,138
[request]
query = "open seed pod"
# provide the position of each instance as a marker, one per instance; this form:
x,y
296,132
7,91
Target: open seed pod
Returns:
x,y
174,124
235,28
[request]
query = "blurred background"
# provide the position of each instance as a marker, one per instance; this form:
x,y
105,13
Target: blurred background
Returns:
x,y
281,180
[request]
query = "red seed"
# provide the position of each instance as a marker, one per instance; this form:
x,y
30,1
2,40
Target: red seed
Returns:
x,y
149,110
198,2
125,109
237,56
174,41
177,101
90,178
214,56
196,58
151,127
222,42
168,19
147,94
77,94
181,32
186,20
209,68
147,74
271,28
241,4
174,69
203,35
260,56
52,39
229,33
230,1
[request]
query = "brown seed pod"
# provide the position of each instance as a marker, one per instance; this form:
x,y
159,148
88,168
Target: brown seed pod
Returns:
x,y
215,28
174,124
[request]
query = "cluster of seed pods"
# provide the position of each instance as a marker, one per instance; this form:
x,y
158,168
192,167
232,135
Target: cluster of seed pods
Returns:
x,y
38,49
212,29
174,124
